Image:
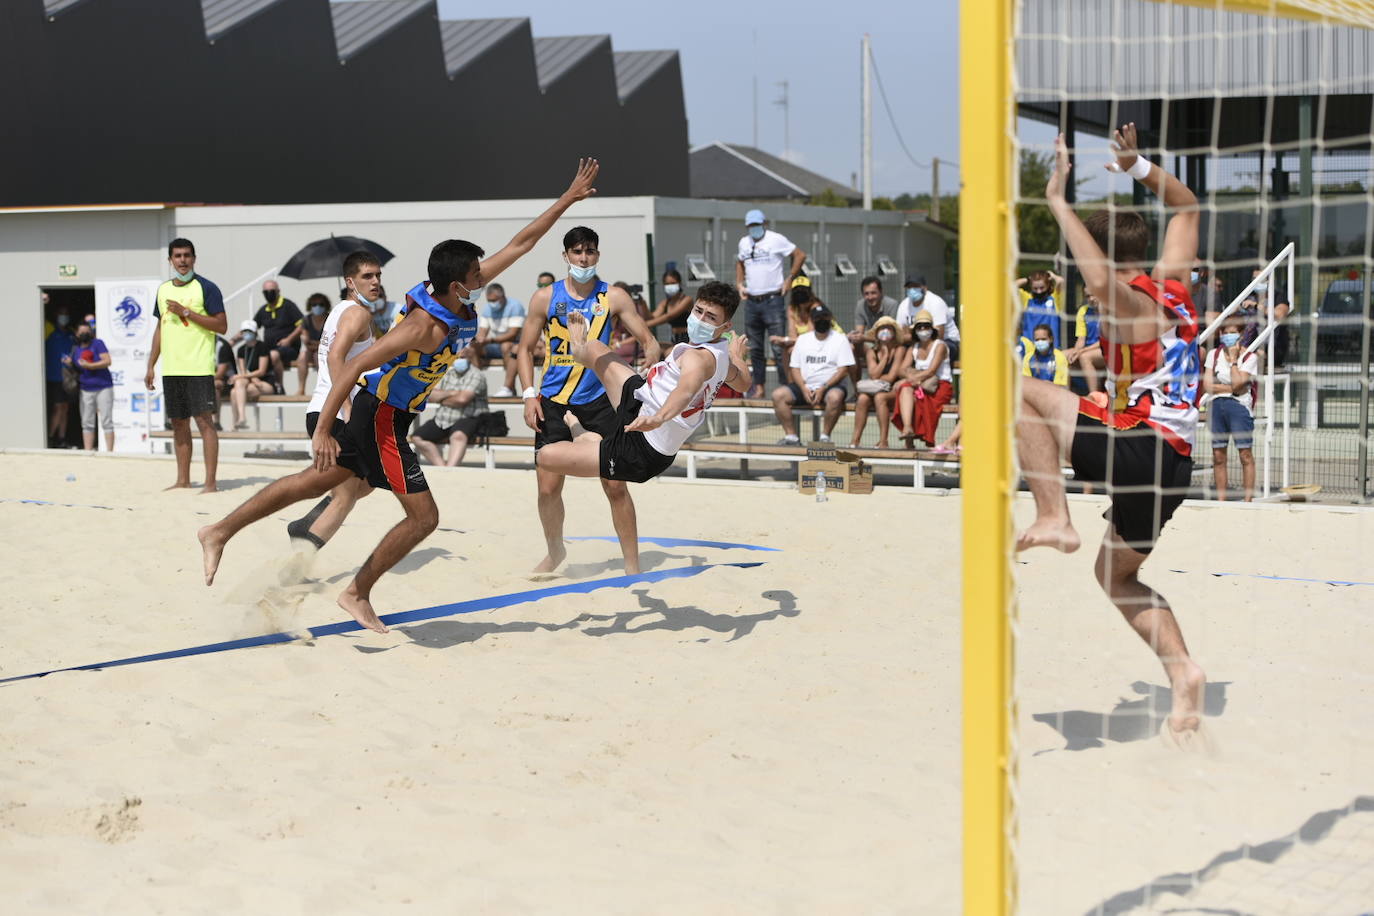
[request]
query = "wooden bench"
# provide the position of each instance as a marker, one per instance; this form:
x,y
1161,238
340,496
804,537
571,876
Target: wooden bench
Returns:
x,y
292,435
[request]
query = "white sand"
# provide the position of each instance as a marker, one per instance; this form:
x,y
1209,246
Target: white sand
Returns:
x,y
778,739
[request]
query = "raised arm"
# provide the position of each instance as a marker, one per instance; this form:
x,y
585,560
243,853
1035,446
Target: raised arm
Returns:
x,y
696,366
580,189
798,259
1180,235
739,377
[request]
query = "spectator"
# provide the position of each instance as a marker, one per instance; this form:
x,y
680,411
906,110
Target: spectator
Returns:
x,y
91,358
886,364
312,328
872,305
1086,352
89,321
1259,321
545,279
623,343
918,297
461,398
1043,360
1229,381
673,308
927,387
801,300
279,323
498,333
56,348
254,377
951,444
189,313
1204,292
761,278
820,361
384,311
226,368
1038,305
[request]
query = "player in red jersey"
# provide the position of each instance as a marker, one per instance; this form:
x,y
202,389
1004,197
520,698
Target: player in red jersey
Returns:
x,y
1138,439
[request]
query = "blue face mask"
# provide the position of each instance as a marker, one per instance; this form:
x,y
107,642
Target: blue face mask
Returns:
x,y
915,294
581,274
756,232
699,332
249,336
1194,277
461,365
363,300
472,296
1230,340
1042,346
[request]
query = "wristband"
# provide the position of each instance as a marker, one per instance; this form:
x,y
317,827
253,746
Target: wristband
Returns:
x,y
1140,170
528,393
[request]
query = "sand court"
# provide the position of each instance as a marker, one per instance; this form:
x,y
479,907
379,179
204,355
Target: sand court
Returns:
x,y
781,737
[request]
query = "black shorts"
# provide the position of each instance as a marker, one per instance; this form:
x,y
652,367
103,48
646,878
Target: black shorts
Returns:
x,y
596,416
1144,475
439,435
288,354
188,396
372,444
800,395
312,420
625,455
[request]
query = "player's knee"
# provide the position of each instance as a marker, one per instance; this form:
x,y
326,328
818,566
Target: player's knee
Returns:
x,y
424,516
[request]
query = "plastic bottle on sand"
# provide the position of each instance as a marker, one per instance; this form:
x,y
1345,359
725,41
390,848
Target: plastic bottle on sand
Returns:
x,y
820,488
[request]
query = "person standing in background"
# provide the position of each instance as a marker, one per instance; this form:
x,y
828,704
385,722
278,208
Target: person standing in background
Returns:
x,y
57,346
761,279
91,358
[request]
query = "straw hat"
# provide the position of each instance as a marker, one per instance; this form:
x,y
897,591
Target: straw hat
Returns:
x,y
923,317
899,333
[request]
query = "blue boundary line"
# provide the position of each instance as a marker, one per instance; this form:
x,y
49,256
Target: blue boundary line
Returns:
x,y
442,610
677,542
1223,575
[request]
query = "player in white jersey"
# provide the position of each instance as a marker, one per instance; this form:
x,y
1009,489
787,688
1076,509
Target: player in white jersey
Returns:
x,y
350,322
656,413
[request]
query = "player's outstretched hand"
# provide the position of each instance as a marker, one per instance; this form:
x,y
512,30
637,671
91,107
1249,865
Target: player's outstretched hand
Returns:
x,y
582,183
1060,179
325,448
1123,148
642,424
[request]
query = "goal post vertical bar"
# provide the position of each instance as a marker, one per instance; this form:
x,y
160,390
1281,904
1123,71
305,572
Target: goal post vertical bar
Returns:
x,y
985,219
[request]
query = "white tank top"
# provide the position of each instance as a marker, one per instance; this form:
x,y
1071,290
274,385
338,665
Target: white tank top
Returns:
x,y
659,384
944,373
327,335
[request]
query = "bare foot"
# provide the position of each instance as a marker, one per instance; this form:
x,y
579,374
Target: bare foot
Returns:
x,y
212,546
882,443
179,485
1186,714
1045,532
577,335
552,561
361,610
632,567
210,487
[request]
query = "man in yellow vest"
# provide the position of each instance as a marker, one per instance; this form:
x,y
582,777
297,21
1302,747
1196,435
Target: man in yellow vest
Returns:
x,y
189,313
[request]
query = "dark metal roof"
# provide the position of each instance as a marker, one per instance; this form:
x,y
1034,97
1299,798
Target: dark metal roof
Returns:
x,y
554,57
732,171
359,23
465,40
223,15
51,8
632,68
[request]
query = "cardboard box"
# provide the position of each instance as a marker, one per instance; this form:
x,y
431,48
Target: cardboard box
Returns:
x,y
844,473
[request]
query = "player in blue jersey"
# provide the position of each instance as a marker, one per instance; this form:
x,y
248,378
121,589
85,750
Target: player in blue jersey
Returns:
x,y
568,387
396,375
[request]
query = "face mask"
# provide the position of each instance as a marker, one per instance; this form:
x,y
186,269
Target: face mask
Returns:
x,y
461,365
822,326
1194,277
1261,287
924,334
581,274
363,300
186,277
62,321
271,295
699,332
1042,346
915,294
756,232
672,289
1230,340
83,335
249,336
472,296
317,310
885,336
1040,296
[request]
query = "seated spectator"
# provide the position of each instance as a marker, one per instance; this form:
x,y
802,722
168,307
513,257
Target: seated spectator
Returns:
x,y
384,311
312,326
801,300
919,297
461,399
254,377
1086,352
623,343
545,279
279,324
926,387
886,366
673,309
1043,361
951,444
871,306
91,359
498,334
1229,382
225,370
1039,306
820,360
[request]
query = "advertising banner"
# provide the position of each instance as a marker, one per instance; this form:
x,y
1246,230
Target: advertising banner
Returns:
x,y
124,321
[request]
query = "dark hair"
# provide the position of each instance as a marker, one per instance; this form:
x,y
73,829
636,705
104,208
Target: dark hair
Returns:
x,y
870,279
1046,328
674,274
1039,275
800,295
721,294
546,273
452,260
498,287
1124,237
357,261
179,242
581,235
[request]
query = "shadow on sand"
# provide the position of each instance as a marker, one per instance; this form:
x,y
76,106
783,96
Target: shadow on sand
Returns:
x,y
1129,720
412,561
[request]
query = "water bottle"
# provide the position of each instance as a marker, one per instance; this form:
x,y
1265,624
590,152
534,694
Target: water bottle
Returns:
x,y
820,488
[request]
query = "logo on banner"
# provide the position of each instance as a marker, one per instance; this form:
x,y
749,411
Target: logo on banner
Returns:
x,y
129,317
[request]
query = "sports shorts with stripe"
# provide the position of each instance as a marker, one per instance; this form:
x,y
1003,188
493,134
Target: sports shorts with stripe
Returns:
x,y
373,445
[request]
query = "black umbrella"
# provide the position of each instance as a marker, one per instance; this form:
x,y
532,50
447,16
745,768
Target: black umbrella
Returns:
x,y
325,258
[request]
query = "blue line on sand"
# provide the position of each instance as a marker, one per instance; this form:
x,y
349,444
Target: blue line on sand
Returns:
x,y
443,610
1220,575
678,542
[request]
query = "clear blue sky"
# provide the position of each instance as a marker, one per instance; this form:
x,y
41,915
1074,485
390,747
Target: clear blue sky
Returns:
x,y
812,45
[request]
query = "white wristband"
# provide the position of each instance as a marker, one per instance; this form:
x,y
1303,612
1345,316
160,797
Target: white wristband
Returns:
x,y
1140,169
528,393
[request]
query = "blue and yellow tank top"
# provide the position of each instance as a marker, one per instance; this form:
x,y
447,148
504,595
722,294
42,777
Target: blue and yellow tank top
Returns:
x,y
405,381
565,380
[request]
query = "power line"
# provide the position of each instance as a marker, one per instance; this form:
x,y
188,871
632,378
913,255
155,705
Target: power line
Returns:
x,y
893,121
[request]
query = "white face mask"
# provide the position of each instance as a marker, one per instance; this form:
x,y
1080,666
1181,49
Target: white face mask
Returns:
x,y
581,274
672,289
885,336
925,334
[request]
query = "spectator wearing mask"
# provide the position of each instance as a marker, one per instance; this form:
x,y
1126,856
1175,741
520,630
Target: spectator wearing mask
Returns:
x,y
1205,293
1229,382
918,297
312,329
56,348
1039,306
927,385
1259,321
279,323
498,334
1086,353
461,399
673,308
1043,360
887,360
91,359
761,275
623,343
384,311
254,377
819,363
872,305
801,300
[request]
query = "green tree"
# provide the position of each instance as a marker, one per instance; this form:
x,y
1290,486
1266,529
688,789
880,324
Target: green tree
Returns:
x,y
883,203
1037,233
829,198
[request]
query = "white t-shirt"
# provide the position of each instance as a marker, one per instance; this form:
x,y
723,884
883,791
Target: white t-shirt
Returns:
x,y
921,363
763,262
500,318
941,315
663,379
820,359
327,335
1220,364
